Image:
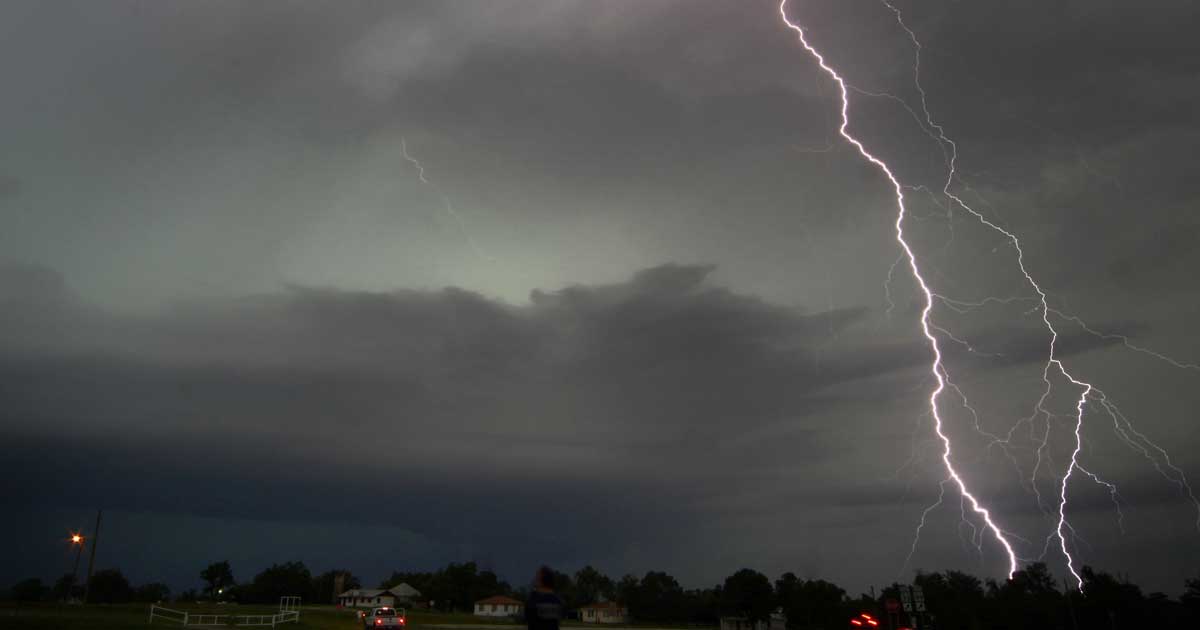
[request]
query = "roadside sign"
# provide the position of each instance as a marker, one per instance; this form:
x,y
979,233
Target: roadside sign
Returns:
x,y
892,605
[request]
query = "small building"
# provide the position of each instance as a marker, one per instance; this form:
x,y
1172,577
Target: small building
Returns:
x,y
498,606
367,598
604,612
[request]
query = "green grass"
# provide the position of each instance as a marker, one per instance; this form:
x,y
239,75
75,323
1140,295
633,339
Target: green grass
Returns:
x,y
121,616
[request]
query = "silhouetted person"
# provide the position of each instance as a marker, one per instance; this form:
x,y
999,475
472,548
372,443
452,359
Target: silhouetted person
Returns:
x,y
544,608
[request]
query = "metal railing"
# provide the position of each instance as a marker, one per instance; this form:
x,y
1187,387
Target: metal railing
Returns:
x,y
186,618
178,616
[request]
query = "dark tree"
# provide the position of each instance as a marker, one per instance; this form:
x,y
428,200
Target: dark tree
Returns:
x,y
627,589
68,587
1107,600
455,587
189,595
279,580
702,606
323,585
748,594
153,592
30,590
593,586
422,581
1031,599
217,576
811,603
658,598
110,587
955,598
1191,593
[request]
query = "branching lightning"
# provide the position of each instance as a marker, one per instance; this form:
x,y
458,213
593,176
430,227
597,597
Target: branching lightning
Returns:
x,y
936,368
1089,396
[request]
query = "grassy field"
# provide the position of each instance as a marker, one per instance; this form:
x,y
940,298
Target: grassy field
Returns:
x,y
104,617
101,617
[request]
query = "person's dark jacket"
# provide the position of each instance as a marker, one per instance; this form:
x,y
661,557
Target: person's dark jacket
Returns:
x,y
543,610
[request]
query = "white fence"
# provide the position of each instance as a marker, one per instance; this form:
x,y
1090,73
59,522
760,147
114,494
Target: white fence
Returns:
x,y
289,612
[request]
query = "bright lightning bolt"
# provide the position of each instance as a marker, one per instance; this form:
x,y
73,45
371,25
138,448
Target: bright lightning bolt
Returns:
x,y
1053,369
936,368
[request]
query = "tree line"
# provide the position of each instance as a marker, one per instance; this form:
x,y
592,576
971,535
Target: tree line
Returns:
x,y
1032,598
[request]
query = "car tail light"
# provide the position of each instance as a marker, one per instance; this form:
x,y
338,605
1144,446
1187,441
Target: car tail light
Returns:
x,y
379,622
402,621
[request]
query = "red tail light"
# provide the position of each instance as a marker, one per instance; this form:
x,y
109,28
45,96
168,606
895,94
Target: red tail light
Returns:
x,y
379,622
402,621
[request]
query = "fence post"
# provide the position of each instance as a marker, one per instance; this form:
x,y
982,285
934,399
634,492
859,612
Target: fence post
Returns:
x,y
185,618
151,622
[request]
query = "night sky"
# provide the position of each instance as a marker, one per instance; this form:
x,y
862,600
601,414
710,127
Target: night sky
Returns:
x,y
653,329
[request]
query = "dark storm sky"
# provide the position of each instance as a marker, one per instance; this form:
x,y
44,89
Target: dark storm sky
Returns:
x,y
654,331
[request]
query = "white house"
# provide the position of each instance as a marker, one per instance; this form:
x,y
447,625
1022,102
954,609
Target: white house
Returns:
x,y
367,598
604,612
498,606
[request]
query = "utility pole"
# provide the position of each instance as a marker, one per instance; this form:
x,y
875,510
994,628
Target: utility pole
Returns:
x,y
92,557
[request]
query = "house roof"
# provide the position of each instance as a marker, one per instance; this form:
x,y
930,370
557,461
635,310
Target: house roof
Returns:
x,y
367,592
404,590
401,590
499,599
604,606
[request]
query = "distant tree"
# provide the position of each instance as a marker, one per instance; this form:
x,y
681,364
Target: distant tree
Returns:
x,y
1191,593
1107,600
954,597
811,603
30,590
592,586
217,576
702,606
110,587
152,592
323,585
1030,599
748,593
189,595
658,598
565,587
627,589
67,587
279,580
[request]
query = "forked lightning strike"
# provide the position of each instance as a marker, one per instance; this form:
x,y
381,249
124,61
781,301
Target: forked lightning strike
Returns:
x,y
936,368
1053,368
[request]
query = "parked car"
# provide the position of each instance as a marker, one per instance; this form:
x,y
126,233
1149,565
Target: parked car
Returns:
x,y
384,617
